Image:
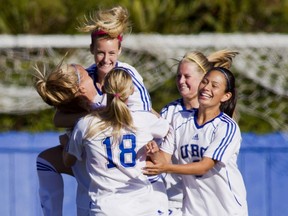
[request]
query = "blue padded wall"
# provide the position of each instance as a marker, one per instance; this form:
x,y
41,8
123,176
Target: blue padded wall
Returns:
x,y
263,161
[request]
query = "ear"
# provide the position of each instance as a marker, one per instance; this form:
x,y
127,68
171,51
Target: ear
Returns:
x,y
82,90
226,97
132,89
92,48
119,51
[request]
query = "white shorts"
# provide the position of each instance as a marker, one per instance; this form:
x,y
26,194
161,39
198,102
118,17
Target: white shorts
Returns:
x,y
160,196
175,212
139,202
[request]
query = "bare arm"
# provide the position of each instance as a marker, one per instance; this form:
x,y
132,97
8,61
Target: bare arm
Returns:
x,y
155,154
67,120
68,159
161,163
195,168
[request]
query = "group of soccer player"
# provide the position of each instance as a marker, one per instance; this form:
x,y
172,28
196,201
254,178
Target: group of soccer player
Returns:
x,y
128,159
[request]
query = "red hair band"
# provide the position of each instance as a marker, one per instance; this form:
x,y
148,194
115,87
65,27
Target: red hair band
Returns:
x,y
117,95
101,32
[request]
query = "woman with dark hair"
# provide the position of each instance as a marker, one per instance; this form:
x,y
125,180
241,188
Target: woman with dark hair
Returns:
x,y
208,141
190,71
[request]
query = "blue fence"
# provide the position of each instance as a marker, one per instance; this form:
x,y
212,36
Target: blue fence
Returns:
x,y
263,161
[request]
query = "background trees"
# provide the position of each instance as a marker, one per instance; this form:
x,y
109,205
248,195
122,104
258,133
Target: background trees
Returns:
x,y
162,16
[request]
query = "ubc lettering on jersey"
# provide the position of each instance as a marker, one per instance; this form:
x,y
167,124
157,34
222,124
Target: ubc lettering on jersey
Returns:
x,y
193,150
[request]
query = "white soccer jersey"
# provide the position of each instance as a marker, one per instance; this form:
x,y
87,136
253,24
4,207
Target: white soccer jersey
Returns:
x,y
221,190
173,182
79,168
173,107
140,99
117,185
99,101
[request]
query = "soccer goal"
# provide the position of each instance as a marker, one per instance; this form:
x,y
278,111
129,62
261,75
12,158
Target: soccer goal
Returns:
x,y
261,67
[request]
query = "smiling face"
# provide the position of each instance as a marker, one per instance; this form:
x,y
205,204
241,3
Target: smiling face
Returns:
x,y
211,91
188,78
106,52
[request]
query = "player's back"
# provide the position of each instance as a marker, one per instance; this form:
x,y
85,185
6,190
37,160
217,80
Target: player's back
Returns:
x,y
116,166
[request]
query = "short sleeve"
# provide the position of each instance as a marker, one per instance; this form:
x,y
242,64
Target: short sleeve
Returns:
x,y
168,145
159,127
226,143
156,126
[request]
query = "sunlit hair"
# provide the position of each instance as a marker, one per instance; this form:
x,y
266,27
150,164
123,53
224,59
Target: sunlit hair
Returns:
x,y
59,86
118,86
228,106
114,22
221,58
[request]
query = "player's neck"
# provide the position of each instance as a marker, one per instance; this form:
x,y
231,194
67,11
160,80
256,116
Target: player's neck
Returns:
x,y
206,114
192,103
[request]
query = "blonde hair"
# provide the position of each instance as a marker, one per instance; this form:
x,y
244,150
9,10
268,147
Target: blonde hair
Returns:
x,y
221,58
113,22
58,87
118,86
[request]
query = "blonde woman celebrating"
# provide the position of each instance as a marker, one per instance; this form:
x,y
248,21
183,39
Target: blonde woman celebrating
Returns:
x,y
69,89
107,28
112,142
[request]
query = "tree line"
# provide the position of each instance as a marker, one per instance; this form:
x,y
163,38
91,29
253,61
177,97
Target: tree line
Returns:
x,y
157,16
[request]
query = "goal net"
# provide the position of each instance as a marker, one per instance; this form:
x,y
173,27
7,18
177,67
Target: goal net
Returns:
x,y
261,67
